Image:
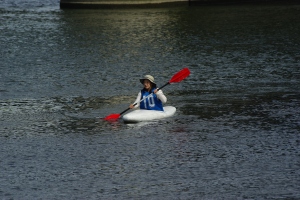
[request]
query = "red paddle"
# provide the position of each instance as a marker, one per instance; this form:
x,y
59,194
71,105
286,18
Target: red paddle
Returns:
x,y
179,76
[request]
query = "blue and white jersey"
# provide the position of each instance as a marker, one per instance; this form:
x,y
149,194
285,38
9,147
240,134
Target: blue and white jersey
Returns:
x,y
151,102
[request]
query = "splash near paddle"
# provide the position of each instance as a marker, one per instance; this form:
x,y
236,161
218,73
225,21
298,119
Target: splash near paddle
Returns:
x,y
176,78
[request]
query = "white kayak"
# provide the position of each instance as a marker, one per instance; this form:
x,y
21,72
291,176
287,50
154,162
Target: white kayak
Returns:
x,y
148,115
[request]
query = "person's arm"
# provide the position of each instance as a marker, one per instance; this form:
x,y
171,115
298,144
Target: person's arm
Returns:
x,y
161,95
137,101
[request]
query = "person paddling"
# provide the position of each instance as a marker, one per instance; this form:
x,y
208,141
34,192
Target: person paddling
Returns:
x,y
151,102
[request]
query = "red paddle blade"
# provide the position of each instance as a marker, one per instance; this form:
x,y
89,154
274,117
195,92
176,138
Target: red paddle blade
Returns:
x,y
179,76
112,117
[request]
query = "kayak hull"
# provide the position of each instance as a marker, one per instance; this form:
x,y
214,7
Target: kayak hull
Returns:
x,y
148,115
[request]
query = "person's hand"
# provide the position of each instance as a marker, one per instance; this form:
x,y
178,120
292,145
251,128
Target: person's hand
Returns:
x,y
131,106
156,90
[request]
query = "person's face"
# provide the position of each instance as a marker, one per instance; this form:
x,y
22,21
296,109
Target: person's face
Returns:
x,y
147,84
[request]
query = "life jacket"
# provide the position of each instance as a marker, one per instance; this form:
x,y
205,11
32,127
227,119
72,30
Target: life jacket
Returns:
x,y
151,102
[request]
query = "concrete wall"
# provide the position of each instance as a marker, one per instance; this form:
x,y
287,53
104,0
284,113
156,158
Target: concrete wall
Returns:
x,y
156,3
119,3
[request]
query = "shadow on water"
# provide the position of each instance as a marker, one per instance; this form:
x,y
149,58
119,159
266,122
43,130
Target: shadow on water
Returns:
x,y
264,110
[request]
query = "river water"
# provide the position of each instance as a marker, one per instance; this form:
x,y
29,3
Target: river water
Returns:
x,y
235,134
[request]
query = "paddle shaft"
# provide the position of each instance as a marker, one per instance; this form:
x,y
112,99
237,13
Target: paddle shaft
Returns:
x,y
145,97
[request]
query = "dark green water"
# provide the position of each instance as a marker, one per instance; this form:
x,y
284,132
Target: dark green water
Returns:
x,y
235,134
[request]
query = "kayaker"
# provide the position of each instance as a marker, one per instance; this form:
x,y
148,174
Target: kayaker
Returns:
x,y
152,102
